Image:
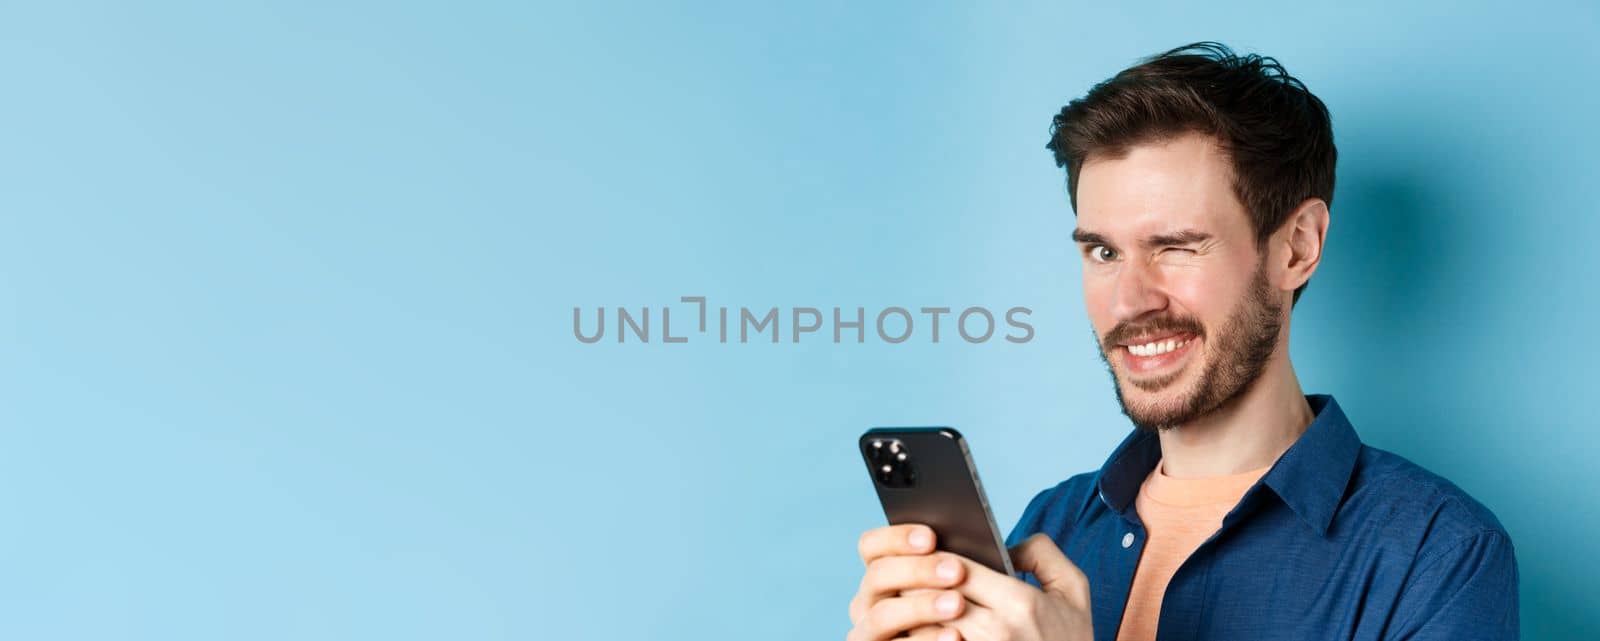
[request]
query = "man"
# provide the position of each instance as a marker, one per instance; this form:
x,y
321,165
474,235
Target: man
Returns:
x,y
1239,508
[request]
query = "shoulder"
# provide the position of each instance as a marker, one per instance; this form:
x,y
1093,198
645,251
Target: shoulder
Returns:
x,y
1415,507
1456,569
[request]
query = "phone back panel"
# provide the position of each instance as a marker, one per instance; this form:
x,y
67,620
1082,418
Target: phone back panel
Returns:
x,y
926,475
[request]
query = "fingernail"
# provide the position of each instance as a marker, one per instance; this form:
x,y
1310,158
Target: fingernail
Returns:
x,y
947,570
947,604
947,635
920,538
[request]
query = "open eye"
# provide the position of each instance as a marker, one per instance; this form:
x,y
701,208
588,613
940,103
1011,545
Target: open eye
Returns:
x,y
1102,254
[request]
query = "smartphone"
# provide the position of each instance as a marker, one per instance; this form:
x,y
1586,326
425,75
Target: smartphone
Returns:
x,y
926,475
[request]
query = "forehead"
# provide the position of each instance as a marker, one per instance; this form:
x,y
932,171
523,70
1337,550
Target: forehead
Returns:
x,y
1183,182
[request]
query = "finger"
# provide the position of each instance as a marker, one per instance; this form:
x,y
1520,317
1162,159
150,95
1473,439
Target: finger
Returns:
x,y
894,616
979,622
1055,572
934,633
988,588
864,600
888,575
858,605
907,538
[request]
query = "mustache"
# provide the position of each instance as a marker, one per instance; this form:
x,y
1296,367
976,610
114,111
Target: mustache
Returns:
x,y
1162,325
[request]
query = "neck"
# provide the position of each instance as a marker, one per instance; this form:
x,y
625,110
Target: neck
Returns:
x,y
1247,433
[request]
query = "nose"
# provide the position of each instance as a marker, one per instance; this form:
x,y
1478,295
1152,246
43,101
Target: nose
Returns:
x,y
1137,292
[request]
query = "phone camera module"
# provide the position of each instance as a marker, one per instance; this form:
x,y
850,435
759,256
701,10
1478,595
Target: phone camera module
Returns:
x,y
891,463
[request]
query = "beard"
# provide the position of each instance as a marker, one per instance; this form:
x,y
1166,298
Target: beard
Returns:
x,y
1231,363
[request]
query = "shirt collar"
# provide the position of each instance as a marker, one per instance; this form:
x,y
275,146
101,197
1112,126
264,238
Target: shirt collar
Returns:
x,y
1310,476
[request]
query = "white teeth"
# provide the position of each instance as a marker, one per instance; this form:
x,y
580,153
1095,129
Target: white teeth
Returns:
x,y
1155,348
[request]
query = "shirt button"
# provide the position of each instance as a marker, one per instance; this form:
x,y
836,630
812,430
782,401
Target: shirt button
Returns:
x,y
1127,540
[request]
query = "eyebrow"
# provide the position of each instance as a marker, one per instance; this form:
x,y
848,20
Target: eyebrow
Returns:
x,y
1081,236
1171,239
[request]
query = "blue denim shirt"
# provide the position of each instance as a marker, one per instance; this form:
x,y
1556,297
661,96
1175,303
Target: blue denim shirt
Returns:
x,y
1338,540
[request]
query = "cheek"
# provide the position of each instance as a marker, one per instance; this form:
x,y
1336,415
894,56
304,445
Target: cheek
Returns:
x,y
1097,299
1208,297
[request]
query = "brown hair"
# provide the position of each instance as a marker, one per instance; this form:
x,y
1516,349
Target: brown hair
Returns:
x,y
1277,135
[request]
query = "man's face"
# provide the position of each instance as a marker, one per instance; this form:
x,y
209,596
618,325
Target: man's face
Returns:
x,y
1177,293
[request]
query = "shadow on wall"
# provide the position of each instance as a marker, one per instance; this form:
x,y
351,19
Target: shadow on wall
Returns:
x,y
1414,322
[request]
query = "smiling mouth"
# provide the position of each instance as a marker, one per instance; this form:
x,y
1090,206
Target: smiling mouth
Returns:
x,y
1159,355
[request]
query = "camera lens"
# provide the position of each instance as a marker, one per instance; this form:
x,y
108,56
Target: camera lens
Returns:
x,y
891,463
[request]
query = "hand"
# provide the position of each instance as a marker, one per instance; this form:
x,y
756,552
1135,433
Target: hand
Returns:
x,y
903,587
1001,608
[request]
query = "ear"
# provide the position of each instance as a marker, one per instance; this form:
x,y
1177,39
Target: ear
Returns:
x,y
1298,249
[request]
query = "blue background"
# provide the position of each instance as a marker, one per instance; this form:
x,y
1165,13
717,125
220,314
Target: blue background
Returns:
x,y
288,288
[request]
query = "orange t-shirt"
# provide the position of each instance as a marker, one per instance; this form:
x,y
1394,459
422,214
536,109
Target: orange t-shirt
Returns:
x,y
1178,515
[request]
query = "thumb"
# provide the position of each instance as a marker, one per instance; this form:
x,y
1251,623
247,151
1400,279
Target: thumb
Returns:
x,y
1039,555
